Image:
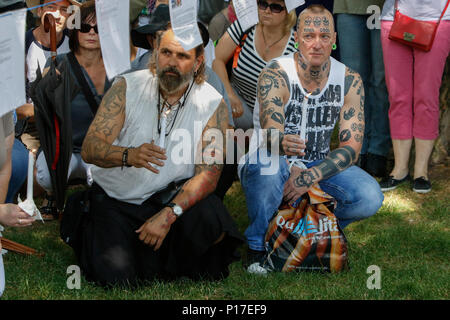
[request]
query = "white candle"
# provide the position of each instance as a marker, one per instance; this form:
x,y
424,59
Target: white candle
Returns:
x,y
304,118
163,130
30,176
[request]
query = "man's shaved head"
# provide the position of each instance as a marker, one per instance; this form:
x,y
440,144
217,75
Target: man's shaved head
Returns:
x,y
309,17
315,35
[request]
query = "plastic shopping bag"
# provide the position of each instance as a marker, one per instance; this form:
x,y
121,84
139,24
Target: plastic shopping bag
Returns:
x,y
308,237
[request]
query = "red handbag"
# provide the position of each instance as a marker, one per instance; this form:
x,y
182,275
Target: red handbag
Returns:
x,y
414,33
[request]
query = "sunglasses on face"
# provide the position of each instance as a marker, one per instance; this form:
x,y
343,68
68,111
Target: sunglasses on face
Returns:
x,y
274,7
86,28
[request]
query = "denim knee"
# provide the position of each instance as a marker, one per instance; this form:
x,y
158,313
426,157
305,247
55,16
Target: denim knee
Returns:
x,y
373,197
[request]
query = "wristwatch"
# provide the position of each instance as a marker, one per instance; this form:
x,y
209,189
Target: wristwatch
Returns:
x,y
177,210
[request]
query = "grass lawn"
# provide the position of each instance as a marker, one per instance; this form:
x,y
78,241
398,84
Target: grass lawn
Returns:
x,y
408,239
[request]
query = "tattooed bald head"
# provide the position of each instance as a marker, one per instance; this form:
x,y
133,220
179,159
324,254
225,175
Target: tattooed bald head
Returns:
x,y
315,15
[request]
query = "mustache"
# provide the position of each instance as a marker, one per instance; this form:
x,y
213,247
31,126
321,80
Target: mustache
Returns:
x,y
171,70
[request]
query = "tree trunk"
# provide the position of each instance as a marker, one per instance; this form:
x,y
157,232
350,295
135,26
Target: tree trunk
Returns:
x,y
441,152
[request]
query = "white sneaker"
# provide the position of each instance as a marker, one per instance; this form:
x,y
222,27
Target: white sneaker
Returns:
x,y
256,268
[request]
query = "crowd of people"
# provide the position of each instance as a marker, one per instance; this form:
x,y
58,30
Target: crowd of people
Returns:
x,y
322,54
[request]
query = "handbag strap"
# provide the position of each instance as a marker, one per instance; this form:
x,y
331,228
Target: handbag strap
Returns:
x,y
83,83
440,18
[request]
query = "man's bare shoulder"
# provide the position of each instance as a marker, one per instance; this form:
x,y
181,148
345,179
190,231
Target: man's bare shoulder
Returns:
x,y
274,70
352,80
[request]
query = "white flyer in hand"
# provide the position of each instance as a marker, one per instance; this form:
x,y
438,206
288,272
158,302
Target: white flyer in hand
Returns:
x,y
114,31
293,4
12,57
183,17
246,12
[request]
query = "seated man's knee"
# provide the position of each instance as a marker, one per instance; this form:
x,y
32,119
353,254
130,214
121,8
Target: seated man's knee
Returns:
x,y
372,197
114,267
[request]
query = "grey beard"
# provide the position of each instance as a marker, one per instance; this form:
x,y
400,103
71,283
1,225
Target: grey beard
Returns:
x,y
171,84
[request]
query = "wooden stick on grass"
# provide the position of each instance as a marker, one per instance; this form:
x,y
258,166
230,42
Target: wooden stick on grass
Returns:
x,y
19,248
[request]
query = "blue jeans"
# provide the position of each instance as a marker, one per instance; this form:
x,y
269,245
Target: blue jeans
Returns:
x,y
360,49
358,196
19,169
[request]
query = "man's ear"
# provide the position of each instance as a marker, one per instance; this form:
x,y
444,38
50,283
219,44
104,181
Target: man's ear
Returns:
x,y
40,11
198,62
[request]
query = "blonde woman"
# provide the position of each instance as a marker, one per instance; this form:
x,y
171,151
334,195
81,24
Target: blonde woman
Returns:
x,y
272,37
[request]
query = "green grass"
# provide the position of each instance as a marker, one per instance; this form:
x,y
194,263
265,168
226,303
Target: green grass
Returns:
x,y
408,239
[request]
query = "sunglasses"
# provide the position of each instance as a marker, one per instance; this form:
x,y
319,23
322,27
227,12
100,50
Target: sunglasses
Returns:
x,y
86,28
274,7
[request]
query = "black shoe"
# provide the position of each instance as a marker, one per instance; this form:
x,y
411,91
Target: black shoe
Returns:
x,y
421,185
49,212
376,165
389,183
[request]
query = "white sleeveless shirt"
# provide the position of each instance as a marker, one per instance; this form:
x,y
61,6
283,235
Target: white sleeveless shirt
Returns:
x,y
135,185
322,112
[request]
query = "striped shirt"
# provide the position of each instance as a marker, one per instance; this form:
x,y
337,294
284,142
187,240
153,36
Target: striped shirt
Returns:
x,y
245,76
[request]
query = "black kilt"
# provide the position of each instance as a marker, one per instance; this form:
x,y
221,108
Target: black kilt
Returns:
x,y
111,252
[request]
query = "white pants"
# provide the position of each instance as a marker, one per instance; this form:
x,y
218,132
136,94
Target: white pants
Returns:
x,y
78,169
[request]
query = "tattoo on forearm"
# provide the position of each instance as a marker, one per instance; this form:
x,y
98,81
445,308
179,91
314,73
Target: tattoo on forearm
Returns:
x,y
361,102
360,116
275,137
277,101
360,127
305,179
278,117
337,161
345,135
206,175
349,114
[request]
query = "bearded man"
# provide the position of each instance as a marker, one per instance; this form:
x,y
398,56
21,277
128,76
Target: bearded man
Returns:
x,y
133,233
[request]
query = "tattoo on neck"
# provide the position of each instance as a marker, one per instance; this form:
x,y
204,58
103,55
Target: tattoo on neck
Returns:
x,y
314,73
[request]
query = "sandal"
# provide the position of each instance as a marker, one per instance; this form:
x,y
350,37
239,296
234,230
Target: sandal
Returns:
x,y
49,212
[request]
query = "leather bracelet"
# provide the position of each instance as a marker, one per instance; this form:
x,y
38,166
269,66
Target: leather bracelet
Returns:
x,y
125,158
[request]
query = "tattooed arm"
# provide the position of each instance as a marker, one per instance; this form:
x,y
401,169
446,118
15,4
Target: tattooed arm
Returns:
x,y
273,93
97,145
208,172
351,133
203,183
